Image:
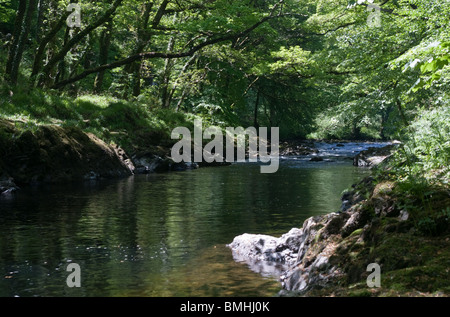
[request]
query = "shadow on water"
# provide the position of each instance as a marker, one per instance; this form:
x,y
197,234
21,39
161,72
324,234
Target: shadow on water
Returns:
x,y
160,234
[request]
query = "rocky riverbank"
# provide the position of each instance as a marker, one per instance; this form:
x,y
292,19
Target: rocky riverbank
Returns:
x,y
374,155
297,148
55,154
328,255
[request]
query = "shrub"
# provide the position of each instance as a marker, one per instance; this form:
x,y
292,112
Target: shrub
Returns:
x,y
425,153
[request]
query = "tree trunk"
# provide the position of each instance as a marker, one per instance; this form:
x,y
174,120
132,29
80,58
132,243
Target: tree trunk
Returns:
x,y
61,74
42,7
165,100
384,120
356,130
105,42
39,57
180,77
18,23
22,42
255,117
142,39
402,113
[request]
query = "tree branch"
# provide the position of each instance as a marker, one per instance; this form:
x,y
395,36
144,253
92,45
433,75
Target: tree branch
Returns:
x,y
150,55
77,38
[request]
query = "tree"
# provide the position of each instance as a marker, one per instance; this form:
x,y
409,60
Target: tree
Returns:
x,y
81,35
22,27
104,45
296,64
368,63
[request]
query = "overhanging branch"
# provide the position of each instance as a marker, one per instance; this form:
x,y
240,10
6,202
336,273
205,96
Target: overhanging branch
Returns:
x,y
150,55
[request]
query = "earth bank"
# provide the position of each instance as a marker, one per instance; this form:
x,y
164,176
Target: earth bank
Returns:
x,y
55,154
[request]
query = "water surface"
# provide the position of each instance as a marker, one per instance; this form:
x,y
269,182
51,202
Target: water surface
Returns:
x,y
162,234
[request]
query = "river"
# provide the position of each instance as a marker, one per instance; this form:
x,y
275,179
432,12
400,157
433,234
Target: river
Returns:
x,y
163,234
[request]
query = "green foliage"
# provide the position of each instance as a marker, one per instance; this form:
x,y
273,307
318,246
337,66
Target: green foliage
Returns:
x,y
426,151
420,169
433,68
130,124
374,68
7,13
435,224
312,68
345,125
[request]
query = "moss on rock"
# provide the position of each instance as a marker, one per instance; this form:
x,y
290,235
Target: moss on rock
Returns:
x,y
55,154
412,262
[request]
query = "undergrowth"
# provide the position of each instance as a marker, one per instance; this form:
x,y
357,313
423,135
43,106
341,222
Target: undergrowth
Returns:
x,y
130,124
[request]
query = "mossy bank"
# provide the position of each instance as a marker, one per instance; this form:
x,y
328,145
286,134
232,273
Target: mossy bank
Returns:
x,y
414,258
382,221
53,138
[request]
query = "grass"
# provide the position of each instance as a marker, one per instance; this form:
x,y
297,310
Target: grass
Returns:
x,y
130,124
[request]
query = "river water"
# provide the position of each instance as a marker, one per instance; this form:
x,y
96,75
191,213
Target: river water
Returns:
x,y
163,234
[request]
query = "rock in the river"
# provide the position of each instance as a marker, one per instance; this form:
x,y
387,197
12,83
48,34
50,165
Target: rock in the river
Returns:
x,y
148,162
258,247
267,255
7,185
297,148
313,267
373,155
303,252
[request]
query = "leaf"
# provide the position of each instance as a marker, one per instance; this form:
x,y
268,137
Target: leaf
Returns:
x,y
441,62
429,66
418,84
411,64
435,76
445,45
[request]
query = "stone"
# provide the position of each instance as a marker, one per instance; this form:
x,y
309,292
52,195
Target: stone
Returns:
x,y
404,215
358,218
300,258
373,155
267,248
7,186
259,253
335,224
297,148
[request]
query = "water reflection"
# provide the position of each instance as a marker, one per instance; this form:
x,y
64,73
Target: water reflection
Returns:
x,y
159,234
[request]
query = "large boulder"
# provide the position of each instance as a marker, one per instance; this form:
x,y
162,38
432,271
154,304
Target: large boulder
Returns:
x,y
300,258
149,162
313,267
261,247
